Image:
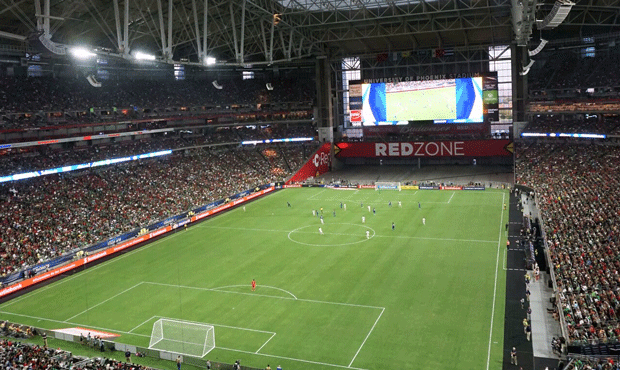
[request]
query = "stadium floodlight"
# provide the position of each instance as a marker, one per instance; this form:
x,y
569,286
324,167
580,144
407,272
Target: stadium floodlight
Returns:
x,y
143,56
81,53
210,61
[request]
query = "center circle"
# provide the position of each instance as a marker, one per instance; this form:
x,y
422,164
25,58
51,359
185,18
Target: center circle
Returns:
x,y
362,236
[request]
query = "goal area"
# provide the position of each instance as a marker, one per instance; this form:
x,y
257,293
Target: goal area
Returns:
x,y
387,185
182,337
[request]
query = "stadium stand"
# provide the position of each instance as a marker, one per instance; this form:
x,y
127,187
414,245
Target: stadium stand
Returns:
x,y
578,123
45,101
577,190
92,205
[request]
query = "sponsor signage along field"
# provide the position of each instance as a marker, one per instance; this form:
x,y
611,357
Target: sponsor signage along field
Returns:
x,y
471,148
129,243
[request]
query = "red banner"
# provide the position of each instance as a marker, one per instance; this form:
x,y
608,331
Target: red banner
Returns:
x,y
473,148
318,164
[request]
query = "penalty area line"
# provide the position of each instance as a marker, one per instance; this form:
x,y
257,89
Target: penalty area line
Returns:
x,y
261,347
367,335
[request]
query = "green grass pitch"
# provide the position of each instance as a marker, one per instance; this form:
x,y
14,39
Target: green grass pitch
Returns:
x,y
421,105
416,297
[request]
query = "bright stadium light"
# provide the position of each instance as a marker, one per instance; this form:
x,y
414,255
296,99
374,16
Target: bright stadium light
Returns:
x,y
210,61
143,56
81,53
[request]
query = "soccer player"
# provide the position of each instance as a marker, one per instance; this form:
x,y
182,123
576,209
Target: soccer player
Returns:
x,y
400,204
368,208
419,205
390,203
320,231
253,285
334,213
340,204
423,221
393,226
322,221
345,206
313,212
367,234
321,210
363,219
243,208
374,211
288,204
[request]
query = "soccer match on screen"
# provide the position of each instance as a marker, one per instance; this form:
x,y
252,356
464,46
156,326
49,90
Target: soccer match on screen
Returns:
x,y
309,185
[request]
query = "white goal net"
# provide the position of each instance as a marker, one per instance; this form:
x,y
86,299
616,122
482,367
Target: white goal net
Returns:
x,y
182,337
387,185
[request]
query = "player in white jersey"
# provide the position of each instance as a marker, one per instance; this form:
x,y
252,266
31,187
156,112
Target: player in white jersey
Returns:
x,y
423,221
368,208
400,204
363,219
367,234
320,231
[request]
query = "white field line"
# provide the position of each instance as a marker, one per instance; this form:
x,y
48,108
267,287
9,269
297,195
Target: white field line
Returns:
x,y
365,339
218,325
263,295
262,286
88,270
261,347
499,242
75,324
291,359
314,195
454,192
148,336
100,303
505,261
152,317
343,234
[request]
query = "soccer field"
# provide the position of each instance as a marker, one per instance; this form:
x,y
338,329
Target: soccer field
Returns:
x,y
413,297
428,104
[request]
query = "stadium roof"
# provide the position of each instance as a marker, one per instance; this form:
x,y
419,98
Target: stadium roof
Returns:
x,y
272,31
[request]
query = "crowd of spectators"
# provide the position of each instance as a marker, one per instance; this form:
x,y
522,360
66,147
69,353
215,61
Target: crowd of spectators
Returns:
x,y
23,356
578,193
27,159
36,96
591,124
45,217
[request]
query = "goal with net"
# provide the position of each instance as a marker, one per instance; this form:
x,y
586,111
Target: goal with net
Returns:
x,y
182,337
387,185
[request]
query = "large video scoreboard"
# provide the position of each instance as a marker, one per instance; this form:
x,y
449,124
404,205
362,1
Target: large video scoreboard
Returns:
x,y
401,101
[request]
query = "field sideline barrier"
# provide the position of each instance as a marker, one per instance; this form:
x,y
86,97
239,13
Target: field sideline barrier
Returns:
x,y
130,243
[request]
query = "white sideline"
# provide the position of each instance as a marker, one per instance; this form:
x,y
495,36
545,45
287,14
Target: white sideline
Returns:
x,y
365,339
100,303
499,242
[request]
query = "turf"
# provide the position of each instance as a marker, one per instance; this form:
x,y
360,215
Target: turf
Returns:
x,y
419,296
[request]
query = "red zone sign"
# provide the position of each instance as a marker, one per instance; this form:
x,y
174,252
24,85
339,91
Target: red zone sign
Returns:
x,y
471,148
318,164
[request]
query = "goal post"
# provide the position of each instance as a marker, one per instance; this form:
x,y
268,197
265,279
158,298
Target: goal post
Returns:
x,y
387,185
182,337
